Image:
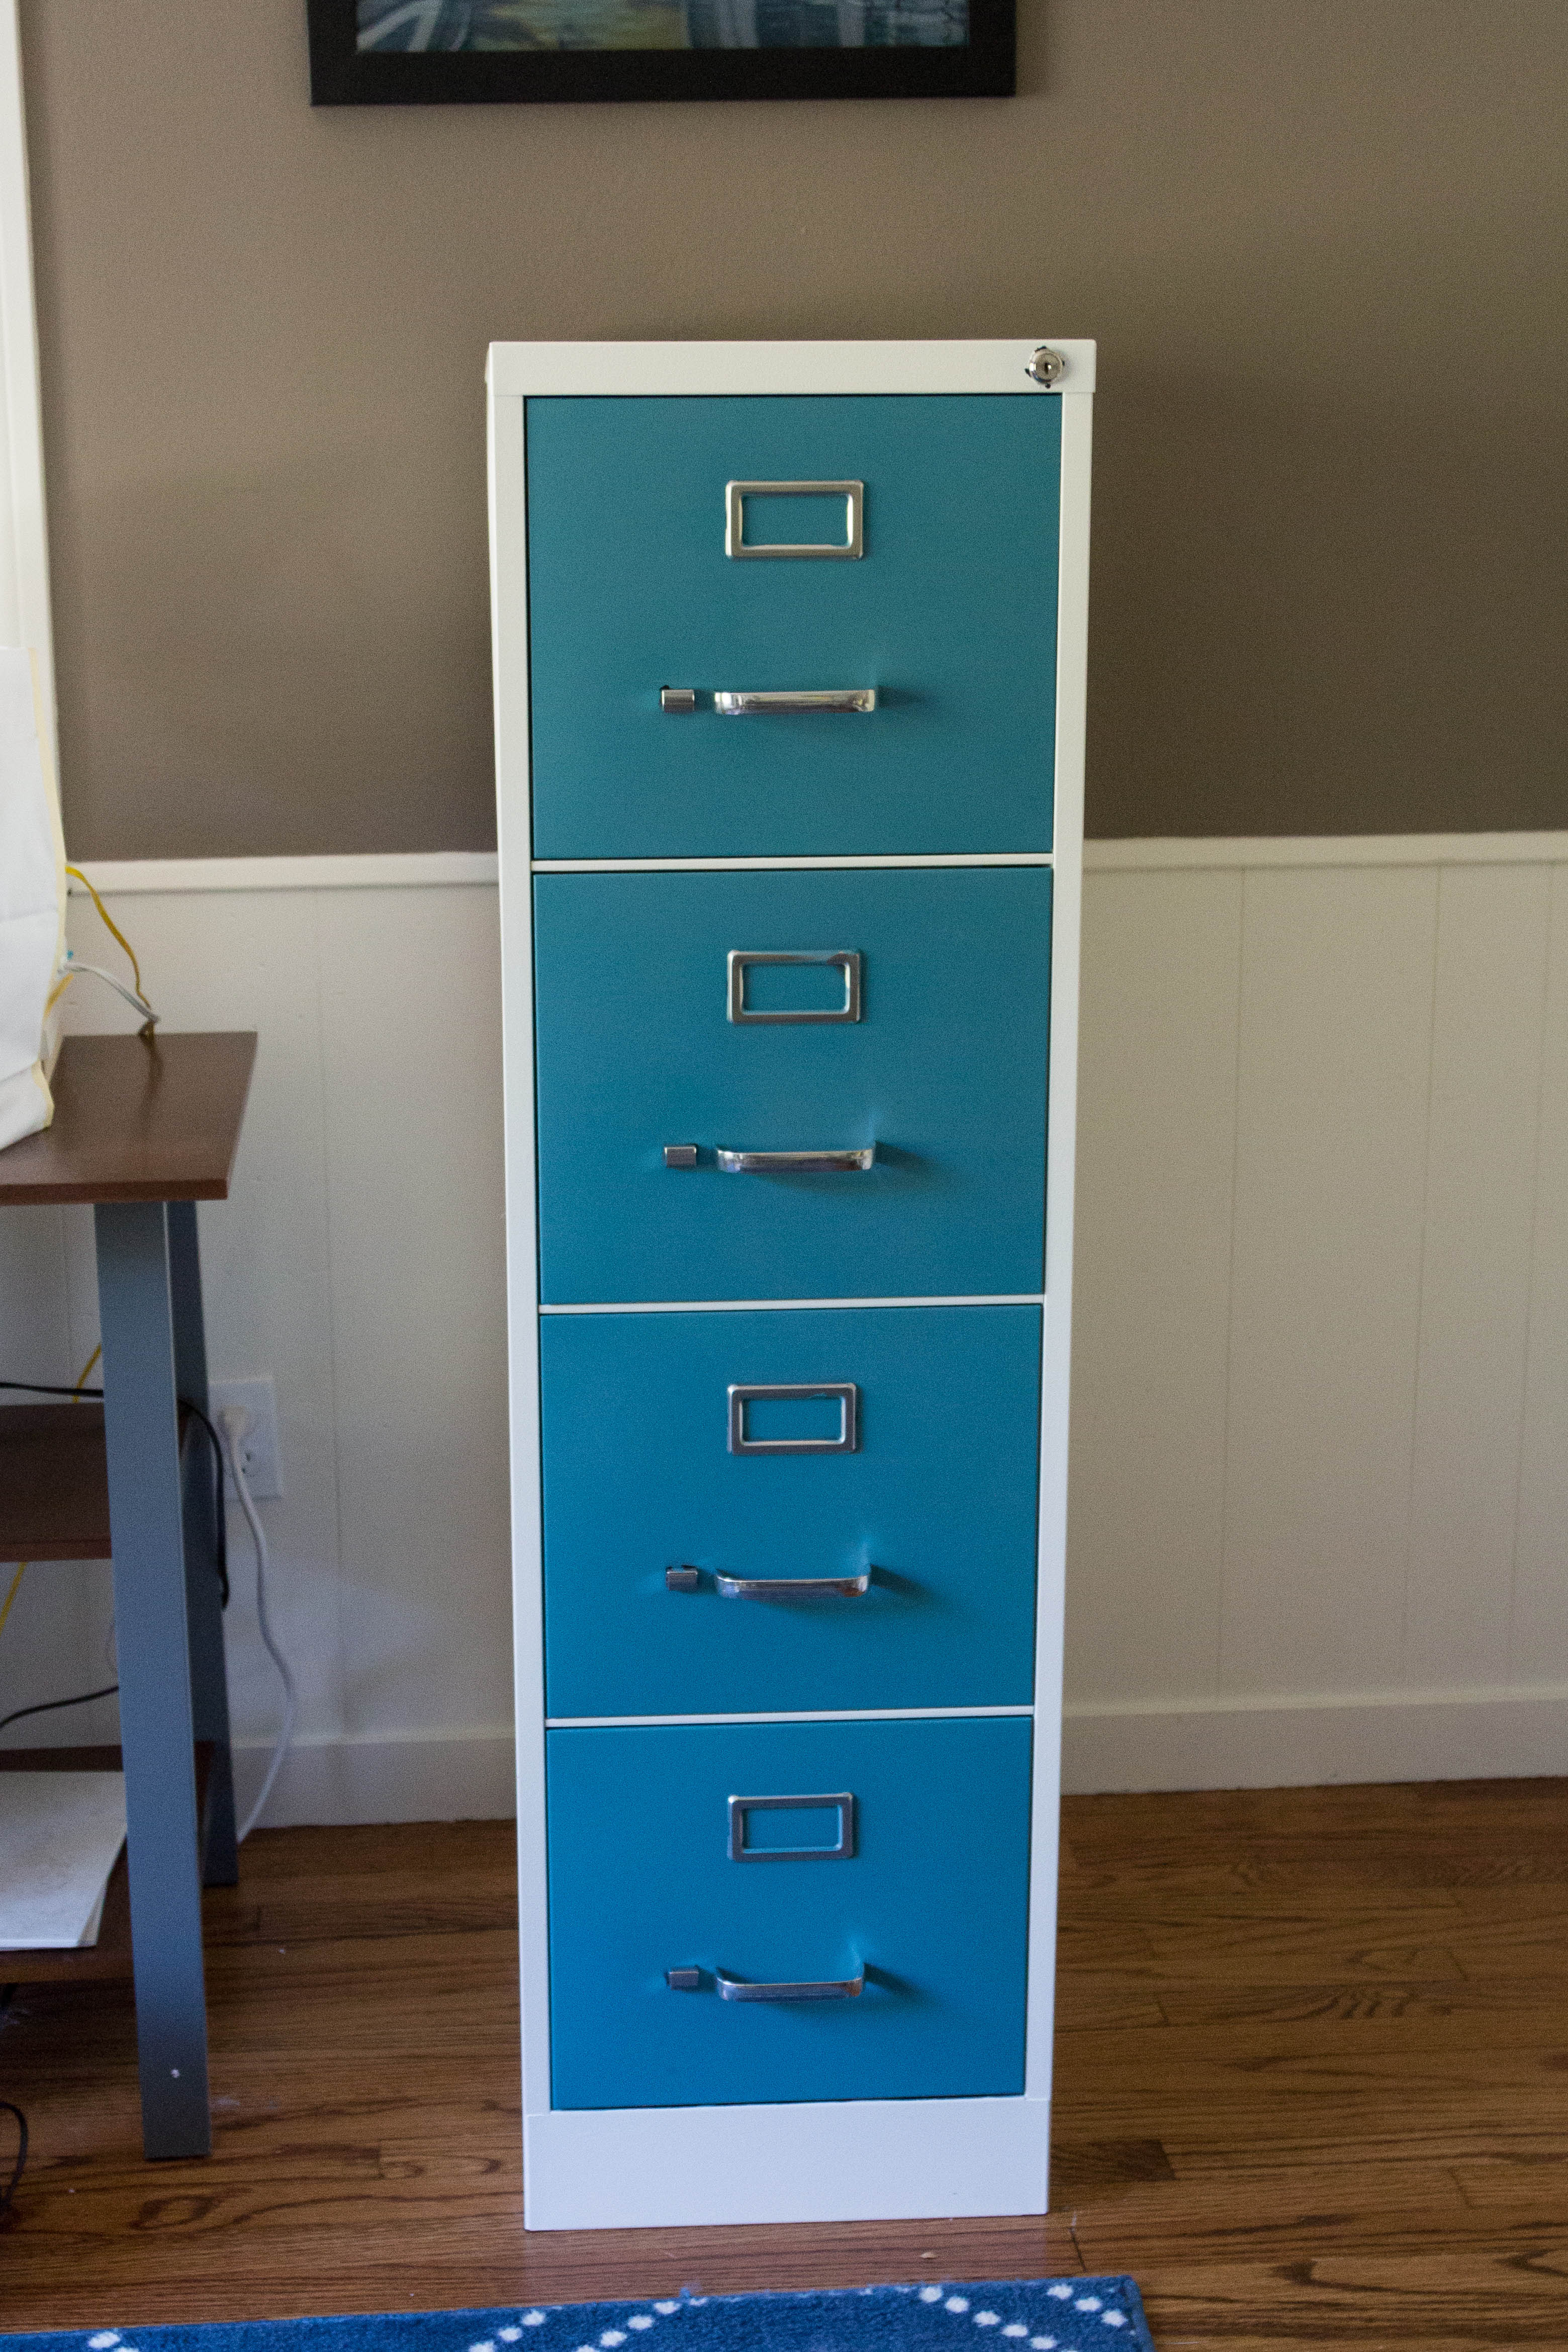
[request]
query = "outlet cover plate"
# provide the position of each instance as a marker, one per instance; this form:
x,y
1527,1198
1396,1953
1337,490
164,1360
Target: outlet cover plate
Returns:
x,y
258,1451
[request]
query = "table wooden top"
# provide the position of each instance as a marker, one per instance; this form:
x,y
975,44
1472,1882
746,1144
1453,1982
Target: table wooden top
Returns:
x,y
137,1119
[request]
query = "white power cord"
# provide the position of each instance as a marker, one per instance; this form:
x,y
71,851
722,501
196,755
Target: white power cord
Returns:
x,y
233,1422
73,964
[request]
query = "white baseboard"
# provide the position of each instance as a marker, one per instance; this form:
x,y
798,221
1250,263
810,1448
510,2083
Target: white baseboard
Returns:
x,y
1294,1743
439,1776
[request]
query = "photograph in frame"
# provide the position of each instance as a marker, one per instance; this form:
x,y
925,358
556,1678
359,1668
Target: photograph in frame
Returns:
x,y
443,52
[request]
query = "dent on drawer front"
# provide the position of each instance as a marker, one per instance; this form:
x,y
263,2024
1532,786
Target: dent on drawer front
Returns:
x,y
875,1931
641,623
684,1576
922,1122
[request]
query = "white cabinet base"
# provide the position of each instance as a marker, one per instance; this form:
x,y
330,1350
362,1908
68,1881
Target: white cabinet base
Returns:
x,y
855,2160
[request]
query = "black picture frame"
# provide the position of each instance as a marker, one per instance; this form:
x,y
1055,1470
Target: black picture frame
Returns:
x,y
341,74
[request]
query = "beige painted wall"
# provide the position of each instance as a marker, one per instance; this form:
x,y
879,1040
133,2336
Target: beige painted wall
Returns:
x,y
1323,246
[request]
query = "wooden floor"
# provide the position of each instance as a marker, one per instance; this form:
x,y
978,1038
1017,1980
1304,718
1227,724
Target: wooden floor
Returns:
x,y
1313,2090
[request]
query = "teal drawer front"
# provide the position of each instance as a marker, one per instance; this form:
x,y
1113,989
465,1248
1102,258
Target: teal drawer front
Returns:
x,y
931,1904
937,1501
944,1075
949,615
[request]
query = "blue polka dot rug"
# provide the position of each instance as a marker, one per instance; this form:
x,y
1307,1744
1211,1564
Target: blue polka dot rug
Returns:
x,y
1078,2315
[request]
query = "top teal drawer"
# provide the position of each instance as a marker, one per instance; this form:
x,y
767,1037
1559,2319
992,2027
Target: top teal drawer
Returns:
x,y
949,614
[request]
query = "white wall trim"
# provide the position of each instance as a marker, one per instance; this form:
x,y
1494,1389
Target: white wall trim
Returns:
x,y
426,869
453,1774
1288,1742
445,868
1288,1702
25,615
1324,850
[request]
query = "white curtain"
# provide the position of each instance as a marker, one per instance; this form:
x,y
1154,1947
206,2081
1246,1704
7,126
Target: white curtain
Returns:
x,y
32,902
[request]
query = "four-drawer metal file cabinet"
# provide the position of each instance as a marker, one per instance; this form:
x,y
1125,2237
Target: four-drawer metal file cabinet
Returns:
x,y
788,660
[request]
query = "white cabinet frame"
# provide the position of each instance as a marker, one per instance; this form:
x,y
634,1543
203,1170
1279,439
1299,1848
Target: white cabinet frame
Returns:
x,y
811,2161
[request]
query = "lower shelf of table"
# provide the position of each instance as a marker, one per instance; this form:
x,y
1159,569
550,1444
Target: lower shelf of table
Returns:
x,y
109,1961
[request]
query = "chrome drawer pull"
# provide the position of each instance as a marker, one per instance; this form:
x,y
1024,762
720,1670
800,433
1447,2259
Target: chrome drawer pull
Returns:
x,y
843,1393
795,1163
738,1989
791,1588
851,546
846,960
769,1587
748,705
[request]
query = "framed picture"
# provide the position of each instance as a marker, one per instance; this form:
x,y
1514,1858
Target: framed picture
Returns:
x,y
479,52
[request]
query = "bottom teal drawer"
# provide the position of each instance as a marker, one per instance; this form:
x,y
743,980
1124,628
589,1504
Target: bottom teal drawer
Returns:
x,y
905,1873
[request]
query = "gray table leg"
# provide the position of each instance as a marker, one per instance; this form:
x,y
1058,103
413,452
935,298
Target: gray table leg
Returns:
x,y
157,1730
209,1680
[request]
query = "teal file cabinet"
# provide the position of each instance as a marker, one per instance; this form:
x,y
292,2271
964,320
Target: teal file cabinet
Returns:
x,y
947,613
929,1517
940,1802
788,655
638,1052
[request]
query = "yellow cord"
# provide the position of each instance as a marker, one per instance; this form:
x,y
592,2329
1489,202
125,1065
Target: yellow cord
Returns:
x,y
113,928
81,1384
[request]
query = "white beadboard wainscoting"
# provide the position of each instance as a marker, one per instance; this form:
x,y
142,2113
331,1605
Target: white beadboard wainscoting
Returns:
x,y
1320,1464
360,1261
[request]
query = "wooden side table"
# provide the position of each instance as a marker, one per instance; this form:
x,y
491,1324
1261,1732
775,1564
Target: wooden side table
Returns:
x,y
144,1130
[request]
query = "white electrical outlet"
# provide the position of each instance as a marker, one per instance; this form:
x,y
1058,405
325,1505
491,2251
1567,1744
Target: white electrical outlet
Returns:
x,y
257,1448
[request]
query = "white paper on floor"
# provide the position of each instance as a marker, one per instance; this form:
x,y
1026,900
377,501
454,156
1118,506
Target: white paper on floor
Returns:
x,y
60,1833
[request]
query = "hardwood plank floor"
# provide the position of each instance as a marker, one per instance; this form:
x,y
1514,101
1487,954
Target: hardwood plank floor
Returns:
x,y
1312,2089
